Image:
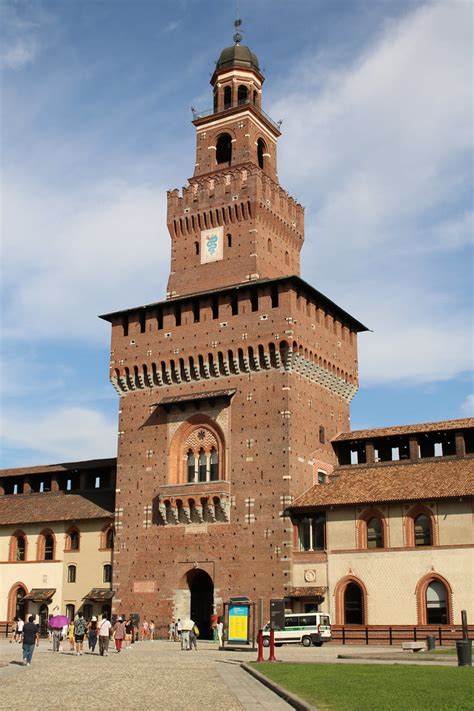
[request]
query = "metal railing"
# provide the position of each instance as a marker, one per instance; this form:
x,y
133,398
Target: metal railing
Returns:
x,y
247,102
445,635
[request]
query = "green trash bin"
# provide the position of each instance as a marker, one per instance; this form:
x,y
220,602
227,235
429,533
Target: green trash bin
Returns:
x,y
430,643
464,652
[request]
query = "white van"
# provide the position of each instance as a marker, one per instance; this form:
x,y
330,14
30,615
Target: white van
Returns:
x,y
301,628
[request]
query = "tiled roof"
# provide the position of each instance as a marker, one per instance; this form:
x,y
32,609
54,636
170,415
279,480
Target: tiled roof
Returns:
x,y
65,467
433,479
40,594
406,429
308,592
52,506
99,594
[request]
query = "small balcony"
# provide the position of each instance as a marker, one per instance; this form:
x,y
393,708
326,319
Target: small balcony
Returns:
x,y
194,503
197,115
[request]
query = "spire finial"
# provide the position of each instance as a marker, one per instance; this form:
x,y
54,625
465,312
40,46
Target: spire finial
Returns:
x,y
237,24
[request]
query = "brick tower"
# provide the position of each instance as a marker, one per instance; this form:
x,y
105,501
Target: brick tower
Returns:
x,y
232,388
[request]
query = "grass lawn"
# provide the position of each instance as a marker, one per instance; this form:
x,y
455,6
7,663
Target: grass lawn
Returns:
x,y
349,687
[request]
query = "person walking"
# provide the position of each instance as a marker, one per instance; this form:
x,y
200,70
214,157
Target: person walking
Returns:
x,y
152,630
57,640
80,627
171,631
92,634
179,630
144,630
104,636
119,633
19,629
30,638
128,633
70,635
187,626
193,635
220,632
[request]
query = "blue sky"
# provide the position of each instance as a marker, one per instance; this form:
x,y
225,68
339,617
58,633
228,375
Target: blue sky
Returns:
x,y
376,102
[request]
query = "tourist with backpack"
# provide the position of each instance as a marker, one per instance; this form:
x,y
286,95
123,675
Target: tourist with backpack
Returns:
x,y
80,627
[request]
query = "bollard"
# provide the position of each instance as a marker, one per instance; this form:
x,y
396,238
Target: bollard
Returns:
x,y
260,646
271,658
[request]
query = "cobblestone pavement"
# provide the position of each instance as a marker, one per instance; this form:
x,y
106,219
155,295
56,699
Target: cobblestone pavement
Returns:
x,y
152,675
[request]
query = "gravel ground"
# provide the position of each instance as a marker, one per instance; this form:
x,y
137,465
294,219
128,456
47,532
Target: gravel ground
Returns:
x,y
152,675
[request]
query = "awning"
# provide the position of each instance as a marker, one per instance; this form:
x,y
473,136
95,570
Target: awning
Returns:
x,y
40,594
308,592
178,399
99,594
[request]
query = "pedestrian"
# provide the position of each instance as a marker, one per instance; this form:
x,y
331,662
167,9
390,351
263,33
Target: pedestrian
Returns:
x,y
19,629
171,631
104,635
92,634
179,629
193,635
220,632
119,633
144,630
30,638
80,627
56,640
152,630
70,635
187,626
128,633
63,636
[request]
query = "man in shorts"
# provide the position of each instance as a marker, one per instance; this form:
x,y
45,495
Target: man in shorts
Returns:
x,y
80,627
104,635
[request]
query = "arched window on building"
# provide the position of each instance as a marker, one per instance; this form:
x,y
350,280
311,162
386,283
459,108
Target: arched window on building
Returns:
x,y
72,540
214,465
224,149
423,532
261,150
46,546
353,605
71,573
202,465
436,604
227,97
109,538
242,95
18,547
107,573
312,532
191,466
374,533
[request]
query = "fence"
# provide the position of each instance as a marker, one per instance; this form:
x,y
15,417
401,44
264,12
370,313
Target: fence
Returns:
x,y
445,635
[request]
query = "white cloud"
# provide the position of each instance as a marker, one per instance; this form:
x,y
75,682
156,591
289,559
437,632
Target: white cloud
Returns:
x,y
23,35
381,160
173,25
467,407
67,433
71,256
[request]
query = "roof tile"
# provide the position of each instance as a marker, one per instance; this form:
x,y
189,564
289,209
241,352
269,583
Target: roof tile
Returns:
x,y
52,506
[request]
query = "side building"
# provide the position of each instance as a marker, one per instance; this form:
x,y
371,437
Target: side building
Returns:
x,y
389,539
56,540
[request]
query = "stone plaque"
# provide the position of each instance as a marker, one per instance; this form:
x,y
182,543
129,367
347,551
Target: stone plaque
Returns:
x,y
144,586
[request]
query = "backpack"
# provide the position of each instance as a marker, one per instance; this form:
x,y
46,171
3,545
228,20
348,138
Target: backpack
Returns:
x,y
80,626
196,630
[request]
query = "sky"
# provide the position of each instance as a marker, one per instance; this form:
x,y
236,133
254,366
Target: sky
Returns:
x,y
377,108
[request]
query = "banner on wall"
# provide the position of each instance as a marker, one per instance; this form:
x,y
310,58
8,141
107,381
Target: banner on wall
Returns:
x,y
212,245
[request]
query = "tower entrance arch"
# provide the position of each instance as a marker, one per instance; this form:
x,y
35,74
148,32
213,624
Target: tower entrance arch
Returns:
x,y
201,588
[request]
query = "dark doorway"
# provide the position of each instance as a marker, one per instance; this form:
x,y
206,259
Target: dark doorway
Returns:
x,y
202,601
21,606
353,605
43,620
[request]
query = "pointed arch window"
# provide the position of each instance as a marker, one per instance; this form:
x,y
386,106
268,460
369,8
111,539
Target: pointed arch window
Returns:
x,y
224,149
261,150
242,95
109,538
73,540
202,465
190,466
374,533
21,548
353,605
436,604
18,547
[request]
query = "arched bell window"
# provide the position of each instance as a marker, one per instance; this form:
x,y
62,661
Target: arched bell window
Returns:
x,y
202,465
374,533
190,466
49,547
242,95
224,149
20,548
214,465
227,97
46,546
261,149
423,534
72,540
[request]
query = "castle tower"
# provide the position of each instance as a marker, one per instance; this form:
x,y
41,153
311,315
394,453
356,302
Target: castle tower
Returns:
x,y
230,389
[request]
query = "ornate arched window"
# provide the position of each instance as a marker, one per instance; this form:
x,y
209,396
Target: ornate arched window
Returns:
x,y
191,466
420,527
372,530
202,465
224,149
353,605
18,547
242,94
261,150
434,600
196,452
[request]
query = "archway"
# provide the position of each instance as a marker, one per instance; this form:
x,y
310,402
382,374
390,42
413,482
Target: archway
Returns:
x,y
353,605
43,620
17,606
201,588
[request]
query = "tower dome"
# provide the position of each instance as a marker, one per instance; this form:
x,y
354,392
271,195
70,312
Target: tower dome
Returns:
x,y
237,56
